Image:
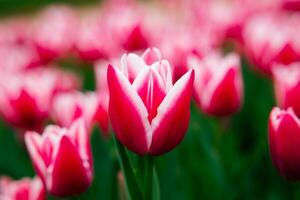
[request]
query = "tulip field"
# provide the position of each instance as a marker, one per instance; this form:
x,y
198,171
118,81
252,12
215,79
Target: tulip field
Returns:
x,y
149,100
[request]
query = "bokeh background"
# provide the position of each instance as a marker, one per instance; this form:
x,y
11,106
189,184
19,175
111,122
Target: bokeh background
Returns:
x,y
218,158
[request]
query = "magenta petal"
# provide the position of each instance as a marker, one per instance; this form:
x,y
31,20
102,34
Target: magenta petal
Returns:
x,y
226,98
284,140
33,143
69,175
150,88
171,122
127,112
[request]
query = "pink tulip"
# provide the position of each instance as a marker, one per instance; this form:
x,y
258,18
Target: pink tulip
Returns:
x,y
284,142
15,58
22,103
67,107
124,23
62,158
55,31
24,189
93,42
218,85
272,38
148,113
287,86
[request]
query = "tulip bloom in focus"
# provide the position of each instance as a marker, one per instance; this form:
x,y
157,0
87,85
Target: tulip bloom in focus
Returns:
x,y
284,141
218,86
148,113
287,86
62,158
24,189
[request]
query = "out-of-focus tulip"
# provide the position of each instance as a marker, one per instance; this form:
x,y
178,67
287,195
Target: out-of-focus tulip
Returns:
x,y
125,24
15,58
93,42
218,85
148,113
272,38
287,86
55,31
24,189
284,142
67,107
25,99
62,158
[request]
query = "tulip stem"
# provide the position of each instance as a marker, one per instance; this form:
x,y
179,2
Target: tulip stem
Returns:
x,y
148,194
132,188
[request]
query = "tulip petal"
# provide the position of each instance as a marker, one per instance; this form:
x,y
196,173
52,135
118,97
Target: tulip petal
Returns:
x,y
226,97
68,173
284,140
173,114
150,88
128,114
33,143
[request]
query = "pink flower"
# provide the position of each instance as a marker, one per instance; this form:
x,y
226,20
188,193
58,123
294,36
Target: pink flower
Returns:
x,y
218,85
93,42
15,58
124,23
62,158
24,189
22,103
55,31
25,98
284,141
148,113
287,86
67,107
272,38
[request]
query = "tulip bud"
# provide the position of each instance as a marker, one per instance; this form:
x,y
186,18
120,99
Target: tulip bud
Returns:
x,y
67,107
218,85
24,189
284,141
159,111
62,158
287,86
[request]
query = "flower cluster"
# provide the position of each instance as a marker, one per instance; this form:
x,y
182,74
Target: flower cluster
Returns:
x,y
149,60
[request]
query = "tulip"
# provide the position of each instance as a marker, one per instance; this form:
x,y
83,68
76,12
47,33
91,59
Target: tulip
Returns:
x,y
148,113
92,41
25,99
124,23
287,86
62,158
24,189
15,58
284,142
67,107
271,39
218,86
54,32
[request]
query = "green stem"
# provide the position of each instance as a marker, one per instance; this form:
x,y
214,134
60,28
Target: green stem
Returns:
x,y
148,194
132,189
